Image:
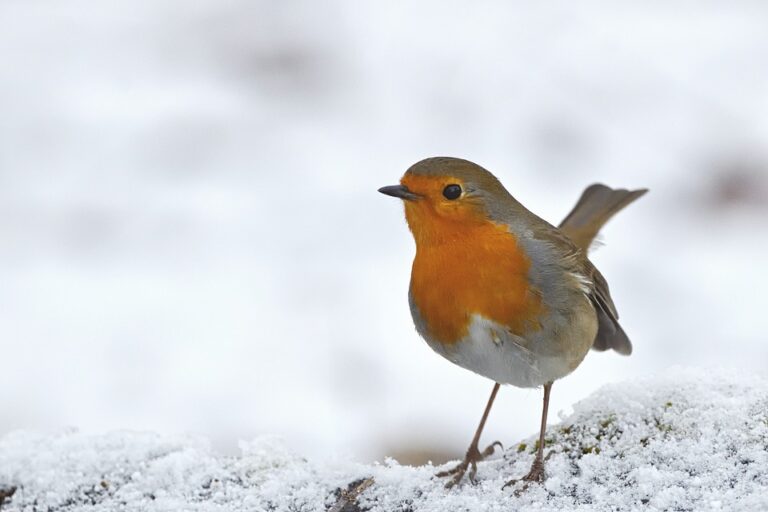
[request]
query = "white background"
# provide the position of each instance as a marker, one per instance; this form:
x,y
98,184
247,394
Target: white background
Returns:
x,y
191,238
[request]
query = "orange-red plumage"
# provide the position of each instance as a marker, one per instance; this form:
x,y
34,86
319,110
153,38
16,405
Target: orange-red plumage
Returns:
x,y
485,275
465,264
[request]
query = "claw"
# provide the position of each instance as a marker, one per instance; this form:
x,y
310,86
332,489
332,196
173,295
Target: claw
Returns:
x,y
473,473
536,474
470,461
449,472
458,473
491,448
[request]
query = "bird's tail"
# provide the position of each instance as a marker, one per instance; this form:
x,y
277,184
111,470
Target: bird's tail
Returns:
x,y
595,207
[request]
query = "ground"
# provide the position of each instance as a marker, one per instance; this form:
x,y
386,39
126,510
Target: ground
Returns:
x,y
683,440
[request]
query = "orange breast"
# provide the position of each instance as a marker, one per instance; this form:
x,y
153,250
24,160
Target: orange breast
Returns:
x,y
479,270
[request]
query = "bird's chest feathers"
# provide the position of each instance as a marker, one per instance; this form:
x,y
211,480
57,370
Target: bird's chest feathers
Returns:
x,y
482,271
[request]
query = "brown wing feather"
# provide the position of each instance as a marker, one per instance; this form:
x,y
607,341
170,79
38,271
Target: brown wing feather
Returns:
x,y
597,204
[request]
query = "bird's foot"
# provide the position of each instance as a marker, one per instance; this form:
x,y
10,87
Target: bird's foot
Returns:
x,y
535,475
470,461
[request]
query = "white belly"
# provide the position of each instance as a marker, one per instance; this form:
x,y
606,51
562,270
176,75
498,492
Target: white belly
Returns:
x,y
493,352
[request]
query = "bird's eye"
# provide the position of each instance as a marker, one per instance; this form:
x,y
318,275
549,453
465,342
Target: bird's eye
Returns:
x,y
452,191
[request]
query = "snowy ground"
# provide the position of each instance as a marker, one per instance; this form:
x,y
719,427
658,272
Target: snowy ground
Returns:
x,y
191,238
685,440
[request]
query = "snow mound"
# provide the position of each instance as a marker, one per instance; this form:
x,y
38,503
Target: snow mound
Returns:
x,y
684,440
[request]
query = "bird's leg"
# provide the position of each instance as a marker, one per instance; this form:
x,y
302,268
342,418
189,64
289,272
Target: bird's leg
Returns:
x,y
536,474
474,455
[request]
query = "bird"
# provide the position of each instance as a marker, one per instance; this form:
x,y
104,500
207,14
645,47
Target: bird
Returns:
x,y
501,292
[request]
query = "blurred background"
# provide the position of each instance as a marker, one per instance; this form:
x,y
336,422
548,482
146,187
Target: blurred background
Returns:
x,y
191,238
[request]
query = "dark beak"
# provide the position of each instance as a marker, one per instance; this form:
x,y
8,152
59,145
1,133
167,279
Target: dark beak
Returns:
x,y
400,191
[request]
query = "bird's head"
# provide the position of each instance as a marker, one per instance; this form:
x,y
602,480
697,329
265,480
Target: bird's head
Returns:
x,y
445,196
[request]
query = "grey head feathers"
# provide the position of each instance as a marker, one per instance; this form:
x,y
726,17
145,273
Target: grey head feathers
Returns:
x,y
479,183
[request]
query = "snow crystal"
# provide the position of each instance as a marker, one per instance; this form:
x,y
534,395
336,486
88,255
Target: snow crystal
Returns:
x,y
683,440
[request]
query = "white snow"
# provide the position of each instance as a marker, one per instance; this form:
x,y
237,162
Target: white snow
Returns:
x,y
682,440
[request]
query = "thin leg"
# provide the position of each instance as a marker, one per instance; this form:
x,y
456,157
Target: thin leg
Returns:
x,y
481,426
540,452
536,474
474,455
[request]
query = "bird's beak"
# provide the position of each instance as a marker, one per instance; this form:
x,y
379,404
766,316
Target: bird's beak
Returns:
x,y
400,191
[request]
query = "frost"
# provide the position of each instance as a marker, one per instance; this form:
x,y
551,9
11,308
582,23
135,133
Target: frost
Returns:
x,y
684,440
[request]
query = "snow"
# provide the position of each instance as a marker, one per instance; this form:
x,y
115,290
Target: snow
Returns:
x,y
681,440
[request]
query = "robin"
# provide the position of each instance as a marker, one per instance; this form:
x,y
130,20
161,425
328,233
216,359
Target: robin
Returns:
x,y
499,291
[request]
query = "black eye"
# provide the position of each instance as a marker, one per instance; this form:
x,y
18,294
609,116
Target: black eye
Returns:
x,y
452,191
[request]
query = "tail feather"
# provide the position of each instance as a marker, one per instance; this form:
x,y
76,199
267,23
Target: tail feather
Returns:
x,y
596,206
610,335
598,203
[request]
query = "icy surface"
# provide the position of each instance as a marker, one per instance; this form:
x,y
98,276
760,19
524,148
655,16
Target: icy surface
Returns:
x,y
684,440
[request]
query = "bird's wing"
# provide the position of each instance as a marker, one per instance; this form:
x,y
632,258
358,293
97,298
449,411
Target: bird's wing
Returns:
x,y
573,260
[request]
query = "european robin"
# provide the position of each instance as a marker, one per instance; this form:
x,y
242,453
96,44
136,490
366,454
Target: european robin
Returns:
x,y
499,291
